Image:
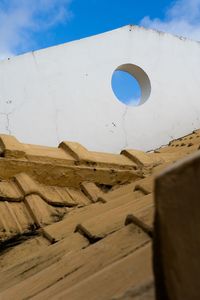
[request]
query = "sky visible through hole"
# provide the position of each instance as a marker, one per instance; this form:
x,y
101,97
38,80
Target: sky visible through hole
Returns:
x,y
126,88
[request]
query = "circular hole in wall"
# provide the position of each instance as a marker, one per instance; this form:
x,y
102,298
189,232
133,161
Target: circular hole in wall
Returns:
x,y
126,88
131,85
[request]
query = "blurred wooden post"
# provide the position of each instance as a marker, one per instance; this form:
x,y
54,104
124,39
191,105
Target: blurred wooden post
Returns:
x,y
177,231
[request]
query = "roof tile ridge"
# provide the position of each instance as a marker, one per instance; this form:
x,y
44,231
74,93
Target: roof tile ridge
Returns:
x,y
91,190
36,189
77,151
141,158
11,147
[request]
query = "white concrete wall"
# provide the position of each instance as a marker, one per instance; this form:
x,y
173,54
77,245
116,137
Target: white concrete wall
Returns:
x,y
64,92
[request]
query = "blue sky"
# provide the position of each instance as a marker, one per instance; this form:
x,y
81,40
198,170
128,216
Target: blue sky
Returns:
x,y
27,25
126,88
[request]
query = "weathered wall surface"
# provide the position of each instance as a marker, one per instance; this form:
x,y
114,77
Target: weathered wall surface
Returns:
x,y
64,92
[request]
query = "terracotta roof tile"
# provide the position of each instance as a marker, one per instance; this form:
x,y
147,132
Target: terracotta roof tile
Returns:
x,y
145,185
91,213
139,157
48,154
145,291
91,190
112,220
115,279
82,155
53,195
42,213
76,266
9,191
18,253
14,220
41,259
61,229
10,147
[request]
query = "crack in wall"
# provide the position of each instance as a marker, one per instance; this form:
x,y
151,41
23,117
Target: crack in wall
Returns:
x,y
7,125
8,114
124,127
56,125
56,119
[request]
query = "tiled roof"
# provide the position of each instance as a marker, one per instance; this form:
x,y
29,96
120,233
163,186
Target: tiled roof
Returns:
x,y
77,224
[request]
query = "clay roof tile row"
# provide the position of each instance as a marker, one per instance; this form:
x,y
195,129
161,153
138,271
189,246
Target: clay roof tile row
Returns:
x,y
89,216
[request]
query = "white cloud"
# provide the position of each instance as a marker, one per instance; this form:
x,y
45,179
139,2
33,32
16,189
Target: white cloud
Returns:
x,y
182,18
20,19
133,101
